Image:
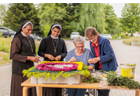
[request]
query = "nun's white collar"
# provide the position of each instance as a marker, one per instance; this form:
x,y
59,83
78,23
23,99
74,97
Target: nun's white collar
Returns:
x,y
54,37
23,34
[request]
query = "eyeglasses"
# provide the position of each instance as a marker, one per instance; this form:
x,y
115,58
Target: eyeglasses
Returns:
x,y
79,47
92,38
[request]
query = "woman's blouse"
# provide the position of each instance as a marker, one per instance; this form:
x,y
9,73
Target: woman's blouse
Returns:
x,y
83,58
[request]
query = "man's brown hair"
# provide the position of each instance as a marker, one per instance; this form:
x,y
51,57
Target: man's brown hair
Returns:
x,y
90,31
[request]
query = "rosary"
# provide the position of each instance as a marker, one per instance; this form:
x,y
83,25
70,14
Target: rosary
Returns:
x,y
55,46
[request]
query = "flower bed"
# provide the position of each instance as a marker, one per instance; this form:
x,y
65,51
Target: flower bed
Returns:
x,y
54,73
58,66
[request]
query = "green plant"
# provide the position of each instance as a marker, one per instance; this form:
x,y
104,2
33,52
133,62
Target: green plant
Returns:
x,y
1,34
54,74
121,81
90,80
5,57
46,29
122,35
116,36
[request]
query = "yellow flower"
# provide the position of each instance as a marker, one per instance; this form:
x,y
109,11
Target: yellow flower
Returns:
x,y
80,65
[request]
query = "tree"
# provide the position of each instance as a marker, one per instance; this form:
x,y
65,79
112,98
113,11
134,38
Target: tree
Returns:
x,y
130,17
91,14
62,13
50,14
2,13
18,13
72,15
111,19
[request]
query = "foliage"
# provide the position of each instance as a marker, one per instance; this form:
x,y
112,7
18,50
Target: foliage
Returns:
x,y
130,40
18,13
2,13
130,17
1,34
37,46
5,44
46,29
62,13
4,58
122,35
72,15
91,14
54,74
50,14
122,81
113,24
91,80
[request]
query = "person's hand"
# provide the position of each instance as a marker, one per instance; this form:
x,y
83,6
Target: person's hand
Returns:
x,y
91,67
73,59
94,60
57,58
49,56
33,59
37,59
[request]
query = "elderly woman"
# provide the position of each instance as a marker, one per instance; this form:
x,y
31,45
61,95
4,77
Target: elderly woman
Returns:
x,y
79,53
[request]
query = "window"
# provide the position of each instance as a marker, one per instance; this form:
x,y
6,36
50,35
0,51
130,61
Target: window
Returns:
x,y
3,30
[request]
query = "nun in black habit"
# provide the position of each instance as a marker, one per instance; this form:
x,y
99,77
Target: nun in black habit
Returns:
x,y
53,48
23,55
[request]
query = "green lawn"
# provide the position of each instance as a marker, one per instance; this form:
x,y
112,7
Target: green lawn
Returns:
x,y
5,45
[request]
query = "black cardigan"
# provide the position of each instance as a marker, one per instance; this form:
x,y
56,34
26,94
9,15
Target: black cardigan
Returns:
x,y
20,62
46,47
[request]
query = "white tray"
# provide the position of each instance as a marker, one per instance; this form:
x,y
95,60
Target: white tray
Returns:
x,y
74,79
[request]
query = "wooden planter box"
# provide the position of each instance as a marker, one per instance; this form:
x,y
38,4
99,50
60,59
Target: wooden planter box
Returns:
x,y
74,79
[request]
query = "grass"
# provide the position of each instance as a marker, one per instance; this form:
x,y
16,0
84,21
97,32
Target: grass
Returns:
x,y
130,40
4,58
66,38
5,45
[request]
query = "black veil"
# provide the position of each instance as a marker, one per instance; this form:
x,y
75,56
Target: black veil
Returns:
x,y
50,32
20,28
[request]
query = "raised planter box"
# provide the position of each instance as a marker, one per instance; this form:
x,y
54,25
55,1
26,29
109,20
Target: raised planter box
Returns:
x,y
74,79
135,43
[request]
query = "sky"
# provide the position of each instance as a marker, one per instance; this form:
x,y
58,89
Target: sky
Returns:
x,y
116,6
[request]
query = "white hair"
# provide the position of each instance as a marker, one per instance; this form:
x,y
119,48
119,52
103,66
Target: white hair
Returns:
x,y
78,39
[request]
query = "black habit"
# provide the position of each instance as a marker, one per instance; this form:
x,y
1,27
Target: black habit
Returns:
x,y
47,47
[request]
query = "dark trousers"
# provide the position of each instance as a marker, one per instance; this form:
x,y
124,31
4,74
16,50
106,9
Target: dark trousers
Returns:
x,y
103,92
76,92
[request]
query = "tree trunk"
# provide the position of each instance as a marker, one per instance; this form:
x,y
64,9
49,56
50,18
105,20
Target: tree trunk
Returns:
x,y
65,34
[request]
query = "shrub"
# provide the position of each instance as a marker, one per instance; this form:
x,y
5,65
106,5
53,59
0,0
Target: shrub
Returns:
x,y
5,44
122,35
1,34
116,36
129,40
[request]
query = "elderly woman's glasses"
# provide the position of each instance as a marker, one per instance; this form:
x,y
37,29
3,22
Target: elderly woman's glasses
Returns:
x,y
79,47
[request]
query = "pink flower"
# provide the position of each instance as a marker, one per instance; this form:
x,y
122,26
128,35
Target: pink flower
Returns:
x,y
48,67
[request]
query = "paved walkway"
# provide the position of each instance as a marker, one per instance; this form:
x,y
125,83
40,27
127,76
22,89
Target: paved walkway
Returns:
x,y
5,79
124,54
